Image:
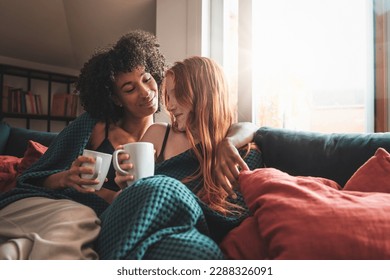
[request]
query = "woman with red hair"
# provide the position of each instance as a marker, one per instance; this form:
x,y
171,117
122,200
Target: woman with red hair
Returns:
x,y
197,97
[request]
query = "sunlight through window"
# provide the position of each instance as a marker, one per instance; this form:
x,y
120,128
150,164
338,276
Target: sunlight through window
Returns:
x,y
313,64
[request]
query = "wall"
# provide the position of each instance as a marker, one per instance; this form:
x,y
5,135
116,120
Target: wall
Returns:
x,y
181,31
183,27
180,28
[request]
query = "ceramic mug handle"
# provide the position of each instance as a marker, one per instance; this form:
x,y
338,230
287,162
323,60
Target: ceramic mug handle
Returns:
x,y
116,163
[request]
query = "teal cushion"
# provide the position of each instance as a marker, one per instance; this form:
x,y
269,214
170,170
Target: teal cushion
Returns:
x,y
4,133
18,140
335,156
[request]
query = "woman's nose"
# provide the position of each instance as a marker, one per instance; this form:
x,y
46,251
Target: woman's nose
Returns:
x,y
169,105
146,92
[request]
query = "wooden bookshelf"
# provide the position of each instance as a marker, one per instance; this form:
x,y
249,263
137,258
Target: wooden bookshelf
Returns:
x,y
33,84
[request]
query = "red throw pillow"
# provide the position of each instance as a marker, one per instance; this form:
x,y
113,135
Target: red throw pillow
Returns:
x,y
11,167
33,152
310,218
8,172
372,176
244,242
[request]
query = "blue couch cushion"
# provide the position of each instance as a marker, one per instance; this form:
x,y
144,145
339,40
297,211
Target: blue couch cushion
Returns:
x,y
334,156
4,133
18,140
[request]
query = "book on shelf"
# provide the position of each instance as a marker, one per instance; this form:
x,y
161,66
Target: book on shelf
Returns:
x,y
68,108
23,106
65,104
80,108
38,104
5,98
31,107
17,100
14,100
73,105
58,107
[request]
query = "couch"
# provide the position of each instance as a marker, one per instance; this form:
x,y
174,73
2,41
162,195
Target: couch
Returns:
x,y
19,148
334,156
14,141
318,195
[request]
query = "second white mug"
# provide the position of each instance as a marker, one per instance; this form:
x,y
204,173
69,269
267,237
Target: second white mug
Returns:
x,y
142,158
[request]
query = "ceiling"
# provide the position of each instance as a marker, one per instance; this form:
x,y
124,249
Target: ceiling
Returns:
x,y
64,33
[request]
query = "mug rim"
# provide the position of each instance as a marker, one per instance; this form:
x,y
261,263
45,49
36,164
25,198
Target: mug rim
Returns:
x,y
138,143
97,152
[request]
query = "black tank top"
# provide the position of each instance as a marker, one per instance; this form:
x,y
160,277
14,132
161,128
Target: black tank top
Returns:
x,y
161,156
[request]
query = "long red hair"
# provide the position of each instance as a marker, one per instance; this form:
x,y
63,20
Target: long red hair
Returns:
x,y
201,86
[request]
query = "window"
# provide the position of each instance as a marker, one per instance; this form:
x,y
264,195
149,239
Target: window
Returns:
x,y
314,64
311,63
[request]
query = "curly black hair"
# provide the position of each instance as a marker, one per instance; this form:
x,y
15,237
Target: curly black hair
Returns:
x,y
95,83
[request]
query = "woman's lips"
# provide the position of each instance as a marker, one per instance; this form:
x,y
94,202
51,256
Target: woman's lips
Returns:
x,y
150,103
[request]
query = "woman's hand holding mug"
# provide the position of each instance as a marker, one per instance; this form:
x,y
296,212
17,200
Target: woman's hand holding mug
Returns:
x,y
132,162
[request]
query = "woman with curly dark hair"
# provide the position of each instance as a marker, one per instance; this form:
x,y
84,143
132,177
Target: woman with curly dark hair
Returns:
x,y
100,74
119,89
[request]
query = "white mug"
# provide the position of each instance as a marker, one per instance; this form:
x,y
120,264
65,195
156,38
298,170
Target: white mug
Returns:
x,y
100,167
142,158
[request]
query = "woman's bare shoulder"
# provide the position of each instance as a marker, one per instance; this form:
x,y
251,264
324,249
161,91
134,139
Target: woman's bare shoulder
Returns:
x,y
155,132
157,127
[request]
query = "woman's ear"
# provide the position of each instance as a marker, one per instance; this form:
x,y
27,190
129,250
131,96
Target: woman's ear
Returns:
x,y
116,100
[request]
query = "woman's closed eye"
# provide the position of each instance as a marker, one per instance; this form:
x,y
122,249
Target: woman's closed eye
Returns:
x,y
128,89
131,86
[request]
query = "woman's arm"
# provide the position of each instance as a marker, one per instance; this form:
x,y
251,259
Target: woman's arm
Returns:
x,y
241,133
67,146
229,162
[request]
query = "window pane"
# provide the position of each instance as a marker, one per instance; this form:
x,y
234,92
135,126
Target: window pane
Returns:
x,y
313,64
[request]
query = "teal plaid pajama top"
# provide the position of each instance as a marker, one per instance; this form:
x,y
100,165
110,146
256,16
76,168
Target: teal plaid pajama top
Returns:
x,y
156,218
